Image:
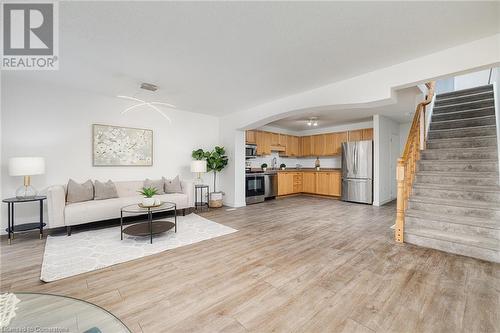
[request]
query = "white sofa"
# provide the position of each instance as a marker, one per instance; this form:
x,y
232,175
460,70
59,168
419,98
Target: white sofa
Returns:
x,y
62,214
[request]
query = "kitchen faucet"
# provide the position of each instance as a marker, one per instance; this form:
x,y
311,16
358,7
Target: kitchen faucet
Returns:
x,y
273,163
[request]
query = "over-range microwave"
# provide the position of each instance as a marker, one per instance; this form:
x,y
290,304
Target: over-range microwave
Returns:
x,y
251,151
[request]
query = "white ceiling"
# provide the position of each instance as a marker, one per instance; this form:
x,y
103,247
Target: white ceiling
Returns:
x,y
401,111
222,57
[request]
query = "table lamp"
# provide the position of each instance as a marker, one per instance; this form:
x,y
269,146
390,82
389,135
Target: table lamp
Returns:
x,y
26,167
198,166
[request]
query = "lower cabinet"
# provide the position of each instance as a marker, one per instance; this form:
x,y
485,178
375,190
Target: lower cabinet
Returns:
x,y
313,182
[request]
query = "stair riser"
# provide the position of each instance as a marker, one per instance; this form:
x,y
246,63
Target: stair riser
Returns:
x,y
463,114
464,106
440,101
456,180
436,154
417,223
463,143
463,123
465,92
493,197
457,167
462,249
462,133
454,210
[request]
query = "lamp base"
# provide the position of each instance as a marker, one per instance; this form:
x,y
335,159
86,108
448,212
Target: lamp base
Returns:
x,y
26,192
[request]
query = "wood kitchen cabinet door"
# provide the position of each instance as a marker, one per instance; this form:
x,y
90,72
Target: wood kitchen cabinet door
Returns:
x,y
263,142
283,140
367,134
339,138
318,145
250,137
292,146
309,182
297,182
329,144
306,146
285,183
335,180
275,139
323,183
356,135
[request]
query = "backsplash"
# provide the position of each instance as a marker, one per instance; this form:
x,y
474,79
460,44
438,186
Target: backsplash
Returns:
x,y
326,162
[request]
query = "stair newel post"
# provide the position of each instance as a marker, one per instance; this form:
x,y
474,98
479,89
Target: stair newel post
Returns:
x,y
400,209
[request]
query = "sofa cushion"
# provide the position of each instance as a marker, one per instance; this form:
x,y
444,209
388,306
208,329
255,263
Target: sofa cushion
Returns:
x,y
129,188
158,184
173,185
79,192
98,210
105,190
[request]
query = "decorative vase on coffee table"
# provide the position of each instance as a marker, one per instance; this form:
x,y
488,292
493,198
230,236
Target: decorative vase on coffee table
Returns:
x,y
148,202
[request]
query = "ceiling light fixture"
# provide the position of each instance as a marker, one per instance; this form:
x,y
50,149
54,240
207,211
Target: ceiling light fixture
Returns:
x,y
313,121
152,105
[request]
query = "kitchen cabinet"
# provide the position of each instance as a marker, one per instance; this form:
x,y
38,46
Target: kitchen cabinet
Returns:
x,y
306,146
250,137
356,135
275,139
292,146
297,182
309,182
339,138
285,183
318,145
367,134
263,142
328,183
283,140
329,144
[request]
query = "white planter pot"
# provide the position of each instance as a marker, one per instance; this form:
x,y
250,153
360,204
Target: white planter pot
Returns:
x,y
264,169
148,202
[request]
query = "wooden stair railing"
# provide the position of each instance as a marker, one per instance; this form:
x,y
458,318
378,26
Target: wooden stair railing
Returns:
x,y
407,164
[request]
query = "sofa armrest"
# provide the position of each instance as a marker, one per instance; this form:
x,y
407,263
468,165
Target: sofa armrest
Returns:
x,y
56,201
188,189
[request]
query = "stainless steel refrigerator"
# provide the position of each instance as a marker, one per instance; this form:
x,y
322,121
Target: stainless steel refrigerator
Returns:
x,y
357,171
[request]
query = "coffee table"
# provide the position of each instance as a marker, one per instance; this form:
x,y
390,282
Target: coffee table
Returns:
x,y
148,227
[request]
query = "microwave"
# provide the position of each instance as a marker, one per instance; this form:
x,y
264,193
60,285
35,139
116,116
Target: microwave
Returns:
x,y
251,151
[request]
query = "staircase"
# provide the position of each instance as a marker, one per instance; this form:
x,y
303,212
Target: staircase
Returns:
x,y
455,202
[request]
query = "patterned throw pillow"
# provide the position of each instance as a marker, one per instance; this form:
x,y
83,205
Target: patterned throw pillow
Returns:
x,y
173,185
80,192
105,190
156,183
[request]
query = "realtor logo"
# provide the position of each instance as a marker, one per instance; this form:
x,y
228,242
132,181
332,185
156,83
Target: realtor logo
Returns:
x,y
29,36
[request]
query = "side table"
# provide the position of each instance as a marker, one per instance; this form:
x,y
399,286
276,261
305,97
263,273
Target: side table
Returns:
x,y
199,188
11,229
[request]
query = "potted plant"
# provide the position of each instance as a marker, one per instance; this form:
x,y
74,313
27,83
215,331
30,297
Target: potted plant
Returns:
x,y
148,193
264,166
216,162
282,166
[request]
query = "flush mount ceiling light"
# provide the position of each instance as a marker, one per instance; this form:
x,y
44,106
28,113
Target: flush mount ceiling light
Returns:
x,y
141,102
313,121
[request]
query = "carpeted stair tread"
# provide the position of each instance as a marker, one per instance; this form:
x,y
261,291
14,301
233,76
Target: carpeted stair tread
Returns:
x,y
463,92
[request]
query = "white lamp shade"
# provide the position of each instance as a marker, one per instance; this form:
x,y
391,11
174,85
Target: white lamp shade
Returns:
x,y
199,166
26,166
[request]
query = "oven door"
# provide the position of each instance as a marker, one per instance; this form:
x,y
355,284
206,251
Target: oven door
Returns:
x,y
255,188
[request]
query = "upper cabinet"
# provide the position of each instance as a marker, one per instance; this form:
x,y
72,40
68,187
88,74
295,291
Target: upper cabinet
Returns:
x,y
329,144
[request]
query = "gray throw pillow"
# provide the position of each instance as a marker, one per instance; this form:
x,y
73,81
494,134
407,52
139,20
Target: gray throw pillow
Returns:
x,y
156,183
80,192
173,185
105,190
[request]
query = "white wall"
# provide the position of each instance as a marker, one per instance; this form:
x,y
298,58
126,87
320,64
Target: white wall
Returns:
x,y
385,159
56,123
471,80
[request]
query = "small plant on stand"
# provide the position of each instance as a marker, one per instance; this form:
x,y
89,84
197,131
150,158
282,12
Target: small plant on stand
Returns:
x,y
282,166
264,166
216,162
148,193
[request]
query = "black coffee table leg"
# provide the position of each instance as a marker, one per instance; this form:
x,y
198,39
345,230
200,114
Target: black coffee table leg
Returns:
x,y
175,218
150,215
12,221
41,219
121,225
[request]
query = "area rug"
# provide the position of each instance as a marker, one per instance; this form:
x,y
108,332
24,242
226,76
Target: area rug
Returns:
x,y
90,250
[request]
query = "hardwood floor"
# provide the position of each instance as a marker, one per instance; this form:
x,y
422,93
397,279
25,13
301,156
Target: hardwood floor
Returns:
x,y
299,264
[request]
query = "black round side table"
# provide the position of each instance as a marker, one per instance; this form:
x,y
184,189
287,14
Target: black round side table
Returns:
x,y
27,226
199,188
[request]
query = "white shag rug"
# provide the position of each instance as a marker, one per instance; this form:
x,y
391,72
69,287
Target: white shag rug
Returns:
x,y
86,251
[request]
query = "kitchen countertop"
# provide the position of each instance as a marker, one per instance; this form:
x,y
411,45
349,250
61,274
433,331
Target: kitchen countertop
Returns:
x,y
271,171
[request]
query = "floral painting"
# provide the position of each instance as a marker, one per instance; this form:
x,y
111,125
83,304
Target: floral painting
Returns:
x,y
122,146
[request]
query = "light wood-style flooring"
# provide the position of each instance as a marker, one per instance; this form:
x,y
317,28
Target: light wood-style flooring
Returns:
x,y
299,264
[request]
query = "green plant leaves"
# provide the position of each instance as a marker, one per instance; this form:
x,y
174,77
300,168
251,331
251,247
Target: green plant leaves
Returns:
x,y
148,192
